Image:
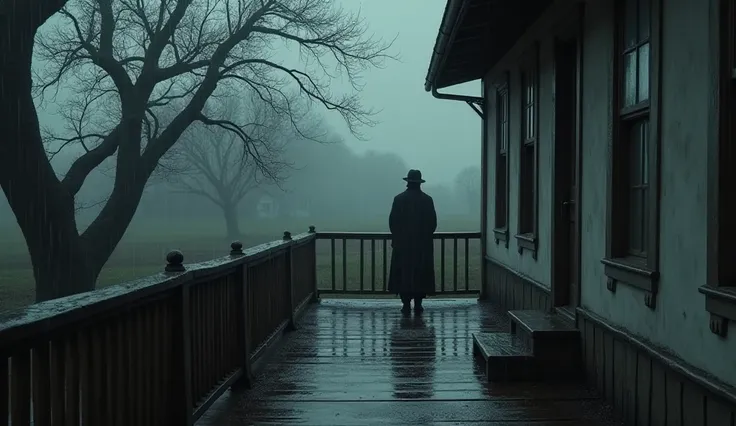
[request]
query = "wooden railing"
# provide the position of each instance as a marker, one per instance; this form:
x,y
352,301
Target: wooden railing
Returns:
x,y
156,351
344,267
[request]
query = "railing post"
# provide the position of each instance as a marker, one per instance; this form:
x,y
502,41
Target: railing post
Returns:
x,y
174,261
291,325
483,294
182,406
246,378
315,290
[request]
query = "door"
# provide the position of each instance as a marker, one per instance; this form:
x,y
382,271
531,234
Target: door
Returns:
x,y
567,169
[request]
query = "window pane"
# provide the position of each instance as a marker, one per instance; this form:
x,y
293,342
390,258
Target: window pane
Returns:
x,y
645,7
630,24
527,195
643,82
644,219
531,122
501,187
629,82
531,89
644,136
635,166
635,214
504,137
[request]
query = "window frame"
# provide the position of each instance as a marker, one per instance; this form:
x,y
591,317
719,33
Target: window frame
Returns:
x,y
528,240
720,290
619,265
502,95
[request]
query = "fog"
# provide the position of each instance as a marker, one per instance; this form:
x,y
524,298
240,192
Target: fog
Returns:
x,y
325,173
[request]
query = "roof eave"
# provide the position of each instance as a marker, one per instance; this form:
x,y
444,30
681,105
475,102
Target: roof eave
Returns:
x,y
449,21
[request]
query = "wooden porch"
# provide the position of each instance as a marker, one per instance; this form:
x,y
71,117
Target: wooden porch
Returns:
x,y
356,362
241,340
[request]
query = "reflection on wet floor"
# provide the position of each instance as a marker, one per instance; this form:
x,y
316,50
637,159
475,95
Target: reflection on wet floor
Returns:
x,y
361,362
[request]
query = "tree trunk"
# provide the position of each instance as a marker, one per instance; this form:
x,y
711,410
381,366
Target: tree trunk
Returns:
x,y
232,224
42,206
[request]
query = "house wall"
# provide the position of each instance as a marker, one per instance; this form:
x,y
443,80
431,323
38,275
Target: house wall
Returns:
x,y
534,271
679,322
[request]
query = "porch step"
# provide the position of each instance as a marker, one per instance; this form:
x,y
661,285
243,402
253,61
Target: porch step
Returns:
x,y
554,342
542,325
506,356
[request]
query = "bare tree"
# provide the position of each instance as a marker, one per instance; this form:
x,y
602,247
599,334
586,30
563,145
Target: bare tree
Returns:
x,y
223,170
26,176
468,185
126,60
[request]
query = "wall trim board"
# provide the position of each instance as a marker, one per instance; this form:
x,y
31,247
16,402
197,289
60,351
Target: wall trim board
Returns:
x,y
646,384
512,290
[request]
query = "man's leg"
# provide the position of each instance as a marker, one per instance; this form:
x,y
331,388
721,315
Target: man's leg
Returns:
x,y
418,308
406,300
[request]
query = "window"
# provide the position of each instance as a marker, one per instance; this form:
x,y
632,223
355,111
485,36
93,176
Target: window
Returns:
x,y
633,179
502,164
726,257
528,155
720,290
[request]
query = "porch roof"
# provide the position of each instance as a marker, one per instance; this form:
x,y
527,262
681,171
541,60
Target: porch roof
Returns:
x,y
474,35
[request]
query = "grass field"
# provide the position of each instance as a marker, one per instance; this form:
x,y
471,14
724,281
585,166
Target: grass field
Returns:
x,y
143,250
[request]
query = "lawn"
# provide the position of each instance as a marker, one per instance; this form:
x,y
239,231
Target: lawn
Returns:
x,y
144,247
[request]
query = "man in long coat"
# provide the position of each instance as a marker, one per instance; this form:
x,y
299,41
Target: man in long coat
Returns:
x,y
412,222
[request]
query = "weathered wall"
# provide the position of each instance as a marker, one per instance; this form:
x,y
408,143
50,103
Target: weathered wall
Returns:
x,y
679,321
537,269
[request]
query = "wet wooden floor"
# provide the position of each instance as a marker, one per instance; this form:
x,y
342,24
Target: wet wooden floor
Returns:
x,y
357,362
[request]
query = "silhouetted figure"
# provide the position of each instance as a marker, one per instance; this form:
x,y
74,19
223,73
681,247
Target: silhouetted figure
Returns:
x,y
412,222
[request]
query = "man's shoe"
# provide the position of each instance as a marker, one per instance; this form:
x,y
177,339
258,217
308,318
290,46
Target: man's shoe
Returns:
x,y
418,309
406,309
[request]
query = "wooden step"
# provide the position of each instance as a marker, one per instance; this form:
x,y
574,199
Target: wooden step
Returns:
x,y
506,356
542,325
554,341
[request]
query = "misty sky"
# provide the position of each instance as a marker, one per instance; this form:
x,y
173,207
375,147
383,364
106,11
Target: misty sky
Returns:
x,y
437,136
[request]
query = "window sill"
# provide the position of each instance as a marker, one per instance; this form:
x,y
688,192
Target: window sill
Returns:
x,y
721,303
501,234
633,272
528,242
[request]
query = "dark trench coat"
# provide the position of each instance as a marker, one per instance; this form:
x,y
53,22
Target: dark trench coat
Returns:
x,y
412,222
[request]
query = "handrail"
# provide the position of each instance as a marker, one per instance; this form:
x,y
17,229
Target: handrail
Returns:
x,y
45,317
386,234
355,262
157,350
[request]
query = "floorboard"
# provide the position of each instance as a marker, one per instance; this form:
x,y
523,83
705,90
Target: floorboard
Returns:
x,y
359,362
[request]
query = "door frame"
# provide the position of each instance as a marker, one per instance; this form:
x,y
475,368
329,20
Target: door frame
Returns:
x,y
559,276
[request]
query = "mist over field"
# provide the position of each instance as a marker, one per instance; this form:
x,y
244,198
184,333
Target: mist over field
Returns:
x,y
288,163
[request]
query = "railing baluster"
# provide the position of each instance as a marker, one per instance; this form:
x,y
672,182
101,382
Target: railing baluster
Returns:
x,y
290,283
361,265
459,248
138,360
344,264
41,384
442,262
332,252
454,264
110,367
373,265
20,388
385,264
467,264
4,397
72,374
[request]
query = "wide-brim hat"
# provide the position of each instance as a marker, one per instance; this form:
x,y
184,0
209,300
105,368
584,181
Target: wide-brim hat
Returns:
x,y
414,176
